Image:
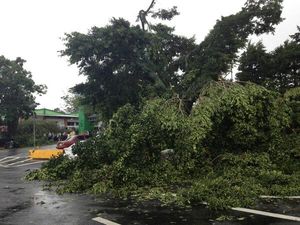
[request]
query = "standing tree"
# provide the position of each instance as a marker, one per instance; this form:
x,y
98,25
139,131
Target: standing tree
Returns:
x,y
278,70
72,102
255,65
125,64
214,56
286,64
114,60
17,91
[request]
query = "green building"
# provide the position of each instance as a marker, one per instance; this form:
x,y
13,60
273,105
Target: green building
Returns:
x,y
63,120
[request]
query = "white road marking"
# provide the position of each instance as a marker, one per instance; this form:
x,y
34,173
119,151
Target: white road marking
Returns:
x,y
13,161
26,164
279,197
6,158
18,162
9,160
263,213
104,221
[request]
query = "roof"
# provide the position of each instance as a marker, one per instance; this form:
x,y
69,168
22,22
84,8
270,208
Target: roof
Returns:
x,y
52,113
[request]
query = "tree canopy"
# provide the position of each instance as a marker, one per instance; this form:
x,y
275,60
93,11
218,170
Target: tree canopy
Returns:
x,y
17,91
126,64
278,70
255,64
213,57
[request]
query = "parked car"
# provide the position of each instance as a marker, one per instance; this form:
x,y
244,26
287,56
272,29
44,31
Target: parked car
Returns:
x,y
69,143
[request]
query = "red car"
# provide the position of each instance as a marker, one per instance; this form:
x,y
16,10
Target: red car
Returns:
x,y
72,140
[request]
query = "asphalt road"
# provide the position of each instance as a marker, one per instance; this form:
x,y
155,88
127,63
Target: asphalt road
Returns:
x,y
23,202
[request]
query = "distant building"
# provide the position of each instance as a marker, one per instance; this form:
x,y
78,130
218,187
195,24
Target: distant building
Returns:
x,y
63,120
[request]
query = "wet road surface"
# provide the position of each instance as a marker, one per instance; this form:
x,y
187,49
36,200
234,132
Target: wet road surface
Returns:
x,y
23,202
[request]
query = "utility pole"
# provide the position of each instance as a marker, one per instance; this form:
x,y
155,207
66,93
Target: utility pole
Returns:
x,y
231,72
34,129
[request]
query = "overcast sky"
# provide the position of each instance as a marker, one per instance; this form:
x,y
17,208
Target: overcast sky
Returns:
x,y
32,29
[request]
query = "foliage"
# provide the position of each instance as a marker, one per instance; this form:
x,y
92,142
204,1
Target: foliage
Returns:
x,y
246,117
214,57
172,135
107,56
227,152
163,14
255,65
124,64
293,97
239,180
286,61
72,102
55,169
127,64
17,91
224,191
276,70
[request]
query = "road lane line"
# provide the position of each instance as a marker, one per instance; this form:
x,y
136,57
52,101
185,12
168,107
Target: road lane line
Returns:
x,y
104,221
263,213
18,162
8,157
9,160
25,164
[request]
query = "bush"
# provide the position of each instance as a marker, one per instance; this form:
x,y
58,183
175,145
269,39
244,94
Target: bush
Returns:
x,y
24,136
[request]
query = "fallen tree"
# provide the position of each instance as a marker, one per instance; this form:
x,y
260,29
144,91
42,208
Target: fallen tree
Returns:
x,y
237,144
